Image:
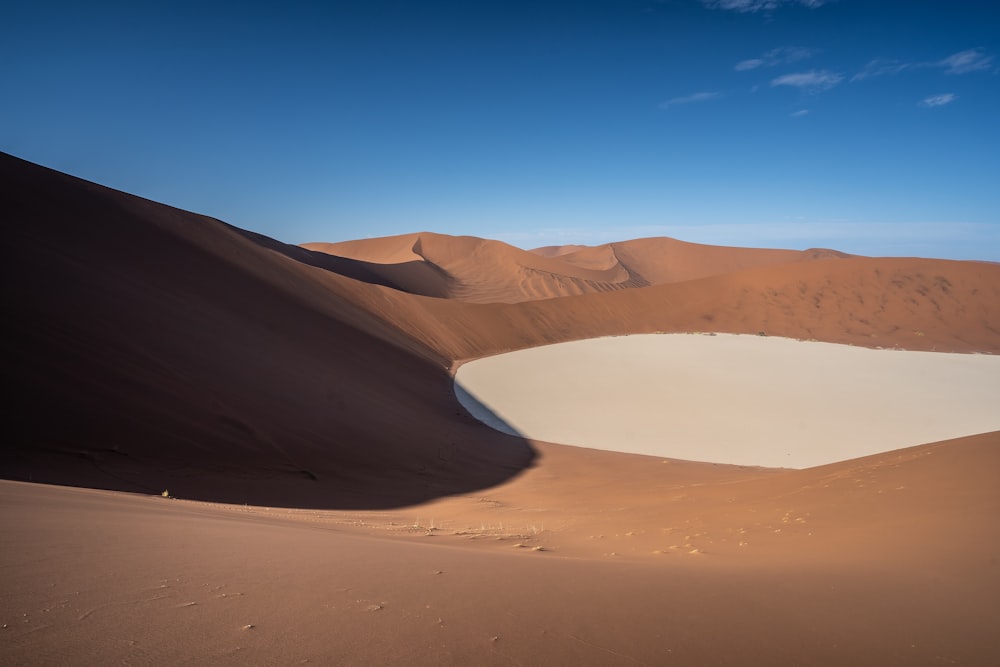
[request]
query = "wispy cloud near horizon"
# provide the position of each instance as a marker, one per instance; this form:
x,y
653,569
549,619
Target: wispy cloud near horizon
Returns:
x,y
690,99
812,81
938,100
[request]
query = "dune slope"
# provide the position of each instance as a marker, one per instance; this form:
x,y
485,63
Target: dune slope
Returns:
x,y
155,349
909,303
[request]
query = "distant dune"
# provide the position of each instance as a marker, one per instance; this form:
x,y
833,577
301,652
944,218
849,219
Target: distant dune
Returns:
x,y
481,271
338,505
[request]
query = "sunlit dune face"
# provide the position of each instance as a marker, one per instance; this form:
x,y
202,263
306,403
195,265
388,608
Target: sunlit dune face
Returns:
x,y
746,400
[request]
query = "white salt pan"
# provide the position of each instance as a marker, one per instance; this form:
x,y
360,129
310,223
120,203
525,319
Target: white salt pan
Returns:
x,y
747,400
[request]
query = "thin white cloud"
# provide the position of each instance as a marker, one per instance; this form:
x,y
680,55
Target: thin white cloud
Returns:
x,y
752,6
812,81
799,113
879,67
689,99
963,62
752,63
938,100
779,56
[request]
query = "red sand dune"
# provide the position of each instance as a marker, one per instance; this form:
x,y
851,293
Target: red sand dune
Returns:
x,y
371,520
477,270
482,271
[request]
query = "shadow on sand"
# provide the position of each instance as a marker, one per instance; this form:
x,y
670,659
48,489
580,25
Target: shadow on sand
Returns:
x,y
152,350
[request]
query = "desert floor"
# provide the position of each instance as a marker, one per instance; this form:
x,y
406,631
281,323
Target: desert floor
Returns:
x,y
589,558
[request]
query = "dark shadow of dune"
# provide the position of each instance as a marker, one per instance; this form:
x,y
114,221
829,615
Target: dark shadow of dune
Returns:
x,y
151,349
344,266
483,412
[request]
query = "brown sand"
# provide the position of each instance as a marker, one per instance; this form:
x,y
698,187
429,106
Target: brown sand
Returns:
x,y
481,271
156,349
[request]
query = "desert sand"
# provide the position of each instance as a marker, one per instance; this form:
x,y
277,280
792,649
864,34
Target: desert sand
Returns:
x,y
328,500
723,398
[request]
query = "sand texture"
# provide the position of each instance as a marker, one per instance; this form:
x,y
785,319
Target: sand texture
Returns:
x,y
329,500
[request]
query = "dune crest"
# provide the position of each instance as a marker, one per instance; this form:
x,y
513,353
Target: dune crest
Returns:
x,y
475,270
478,270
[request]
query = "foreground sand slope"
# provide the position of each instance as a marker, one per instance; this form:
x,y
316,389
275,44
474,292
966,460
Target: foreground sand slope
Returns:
x,y
886,560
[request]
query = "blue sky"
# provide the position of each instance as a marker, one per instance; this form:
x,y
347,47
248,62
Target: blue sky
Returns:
x,y
861,125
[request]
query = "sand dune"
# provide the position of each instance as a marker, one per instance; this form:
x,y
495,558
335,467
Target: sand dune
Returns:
x,y
338,505
157,349
664,260
482,271
477,270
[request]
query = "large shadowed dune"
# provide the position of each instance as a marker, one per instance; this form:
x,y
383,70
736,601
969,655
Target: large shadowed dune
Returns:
x,y
156,349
